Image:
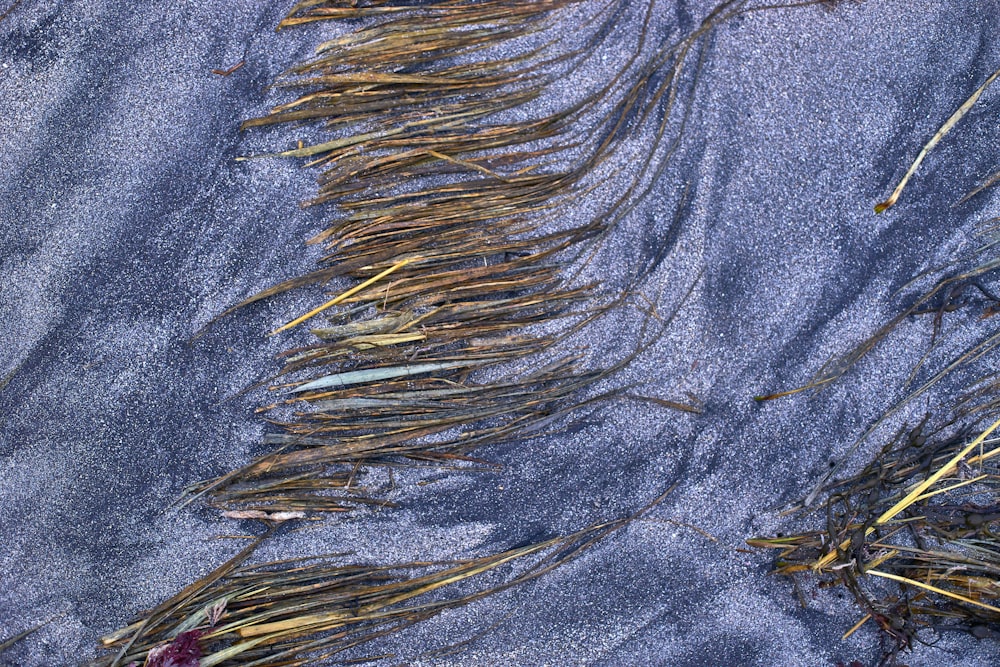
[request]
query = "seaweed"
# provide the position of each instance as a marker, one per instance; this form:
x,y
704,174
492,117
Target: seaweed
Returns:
x,y
921,515
451,274
912,535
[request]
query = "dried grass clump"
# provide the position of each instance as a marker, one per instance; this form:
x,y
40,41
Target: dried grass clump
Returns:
x,y
454,190
308,610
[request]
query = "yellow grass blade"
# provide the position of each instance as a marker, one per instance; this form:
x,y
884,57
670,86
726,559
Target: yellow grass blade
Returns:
x,y
856,626
946,489
949,467
979,458
934,589
346,295
830,557
336,618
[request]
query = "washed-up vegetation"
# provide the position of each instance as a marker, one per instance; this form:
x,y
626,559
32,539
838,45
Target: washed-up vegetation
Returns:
x,y
454,183
457,309
455,246
310,610
913,535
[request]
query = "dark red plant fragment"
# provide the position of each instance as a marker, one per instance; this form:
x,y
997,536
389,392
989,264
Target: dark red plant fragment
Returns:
x,y
182,652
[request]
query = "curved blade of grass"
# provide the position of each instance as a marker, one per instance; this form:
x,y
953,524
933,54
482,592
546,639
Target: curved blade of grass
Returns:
x,y
944,129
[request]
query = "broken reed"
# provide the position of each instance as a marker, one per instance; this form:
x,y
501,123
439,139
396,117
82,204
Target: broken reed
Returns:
x,y
914,537
308,610
450,221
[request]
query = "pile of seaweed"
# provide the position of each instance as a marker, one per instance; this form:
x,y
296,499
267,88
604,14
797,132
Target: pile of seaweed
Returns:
x,y
458,236
308,610
470,193
913,537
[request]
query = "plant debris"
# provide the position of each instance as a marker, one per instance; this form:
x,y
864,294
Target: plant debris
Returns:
x,y
944,129
303,611
455,233
452,259
913,536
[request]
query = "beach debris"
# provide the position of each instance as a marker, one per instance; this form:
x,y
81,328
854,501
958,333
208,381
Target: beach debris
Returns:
x,y
914,537
307,610
229,70
277,517
452,309
455,236
938,136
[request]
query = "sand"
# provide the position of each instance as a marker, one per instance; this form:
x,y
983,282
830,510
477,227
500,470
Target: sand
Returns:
x,y
126,224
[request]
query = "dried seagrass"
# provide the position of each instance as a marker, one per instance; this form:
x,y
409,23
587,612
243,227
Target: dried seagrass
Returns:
x,y
304,611
914,535
969,283
454,219
948,294
455,246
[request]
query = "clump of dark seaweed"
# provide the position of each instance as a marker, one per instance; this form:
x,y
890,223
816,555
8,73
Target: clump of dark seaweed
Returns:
x,y
914,537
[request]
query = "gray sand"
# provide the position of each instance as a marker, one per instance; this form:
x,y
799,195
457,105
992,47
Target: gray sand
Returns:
x,y
126,224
